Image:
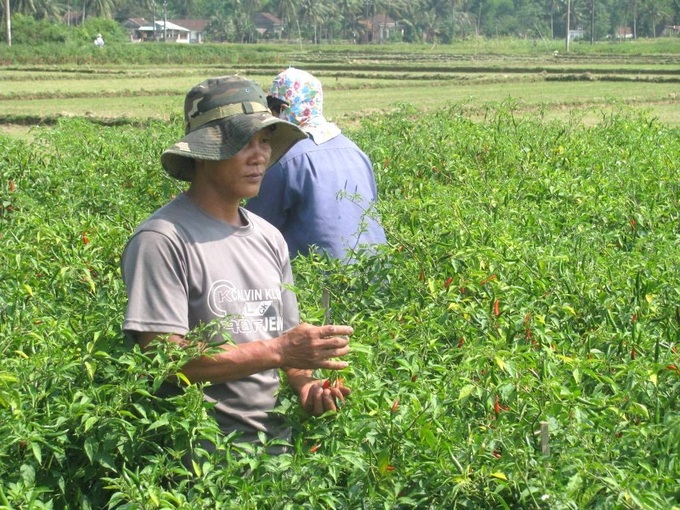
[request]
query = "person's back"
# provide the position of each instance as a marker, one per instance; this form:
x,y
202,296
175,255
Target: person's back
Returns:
x,y
322,195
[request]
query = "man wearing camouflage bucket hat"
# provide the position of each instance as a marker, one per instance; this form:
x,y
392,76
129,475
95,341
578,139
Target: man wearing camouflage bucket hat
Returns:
x,y
203,266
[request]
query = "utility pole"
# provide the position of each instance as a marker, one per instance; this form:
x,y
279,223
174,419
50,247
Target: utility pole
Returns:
x,y
165,20
568,16
592,21
8,24
367,4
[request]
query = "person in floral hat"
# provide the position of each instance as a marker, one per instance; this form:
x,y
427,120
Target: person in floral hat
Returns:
x,y
322,193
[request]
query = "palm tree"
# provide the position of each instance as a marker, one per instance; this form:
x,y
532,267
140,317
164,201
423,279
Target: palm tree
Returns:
x,y
314,12
349,10
655,12
102,8
39,9
288,11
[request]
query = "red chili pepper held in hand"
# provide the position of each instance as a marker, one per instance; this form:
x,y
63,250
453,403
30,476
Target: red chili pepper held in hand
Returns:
x,y
326,384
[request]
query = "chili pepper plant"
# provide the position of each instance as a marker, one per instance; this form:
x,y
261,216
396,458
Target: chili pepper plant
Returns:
x,y
516,340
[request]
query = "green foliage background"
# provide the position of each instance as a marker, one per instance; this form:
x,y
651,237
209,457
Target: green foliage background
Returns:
x,y
531,276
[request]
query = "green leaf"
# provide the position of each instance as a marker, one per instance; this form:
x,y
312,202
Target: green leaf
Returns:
x,y
6,377
466,391
37,451
89,422
27,474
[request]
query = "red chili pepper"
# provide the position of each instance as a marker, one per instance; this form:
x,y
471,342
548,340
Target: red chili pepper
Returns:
x,y
421,276
496,405
527,334
633,353
314,448
527,318
448,282
12,186
389,468
84,238
326,384
461,342
633,319
463,290
672,367
395,406
488,279
633,224
497,454
496,308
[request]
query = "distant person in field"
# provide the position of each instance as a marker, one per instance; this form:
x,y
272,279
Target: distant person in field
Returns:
x,y
322,193
99,41
203,266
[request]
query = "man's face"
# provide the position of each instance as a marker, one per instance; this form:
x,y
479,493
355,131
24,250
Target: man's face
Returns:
x,y
240,176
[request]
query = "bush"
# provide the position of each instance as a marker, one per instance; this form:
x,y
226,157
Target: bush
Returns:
x,y
26,30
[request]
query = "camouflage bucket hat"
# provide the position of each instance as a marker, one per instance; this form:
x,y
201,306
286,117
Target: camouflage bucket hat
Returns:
x,y
221,115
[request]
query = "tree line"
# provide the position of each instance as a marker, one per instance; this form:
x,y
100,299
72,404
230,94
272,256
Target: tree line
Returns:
x,y
428,21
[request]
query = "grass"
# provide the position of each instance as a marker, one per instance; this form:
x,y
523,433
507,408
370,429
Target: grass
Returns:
x,y
349,99
359,80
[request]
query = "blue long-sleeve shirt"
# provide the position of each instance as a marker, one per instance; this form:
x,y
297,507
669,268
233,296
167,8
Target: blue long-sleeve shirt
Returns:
x,y
323,196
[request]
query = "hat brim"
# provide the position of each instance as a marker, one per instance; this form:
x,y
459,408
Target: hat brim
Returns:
x,y
223,138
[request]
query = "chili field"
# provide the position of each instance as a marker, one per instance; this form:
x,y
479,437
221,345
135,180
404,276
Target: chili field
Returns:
x,y
516,342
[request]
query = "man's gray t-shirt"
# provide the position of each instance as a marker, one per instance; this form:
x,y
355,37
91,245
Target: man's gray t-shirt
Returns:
x,y
183,268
